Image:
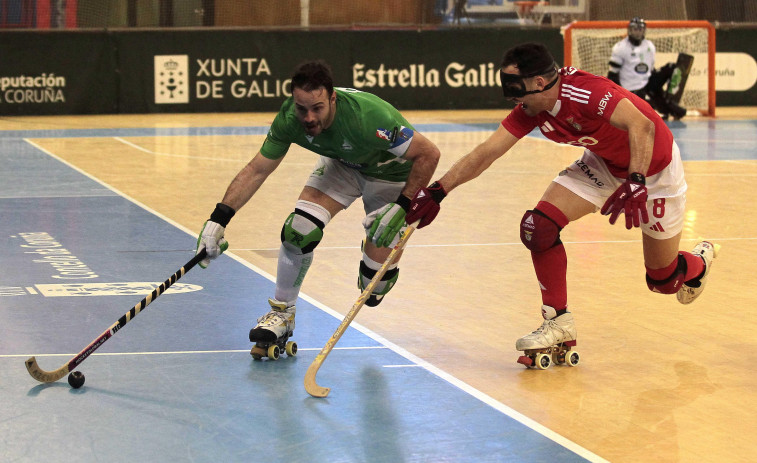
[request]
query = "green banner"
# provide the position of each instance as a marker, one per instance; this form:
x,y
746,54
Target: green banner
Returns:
x,y
211,70
57,73
220,71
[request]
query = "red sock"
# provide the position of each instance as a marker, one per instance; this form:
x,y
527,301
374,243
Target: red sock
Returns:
x,y
694,268
551,266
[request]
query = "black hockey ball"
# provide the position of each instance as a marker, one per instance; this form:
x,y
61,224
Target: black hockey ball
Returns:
x,y
76,379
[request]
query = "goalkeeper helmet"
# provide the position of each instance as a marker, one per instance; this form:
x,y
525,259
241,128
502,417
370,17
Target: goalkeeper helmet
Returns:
x,y
637,28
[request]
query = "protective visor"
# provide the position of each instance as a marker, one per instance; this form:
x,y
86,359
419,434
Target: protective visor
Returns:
x,y
514,85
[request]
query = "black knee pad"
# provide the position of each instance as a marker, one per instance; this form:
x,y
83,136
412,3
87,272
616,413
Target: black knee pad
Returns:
x,y
671,284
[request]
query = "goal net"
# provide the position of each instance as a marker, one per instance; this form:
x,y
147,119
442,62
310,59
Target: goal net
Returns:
x,y
588,46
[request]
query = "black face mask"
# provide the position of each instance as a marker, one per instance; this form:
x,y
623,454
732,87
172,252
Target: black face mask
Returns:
x,y
514,85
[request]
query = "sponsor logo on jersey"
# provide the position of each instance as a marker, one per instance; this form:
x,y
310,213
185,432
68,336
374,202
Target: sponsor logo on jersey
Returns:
x,y
384,134
401,136
574,124
603,103
346,146
589,174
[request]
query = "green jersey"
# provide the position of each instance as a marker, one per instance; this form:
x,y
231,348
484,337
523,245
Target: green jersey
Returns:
x,y
367,134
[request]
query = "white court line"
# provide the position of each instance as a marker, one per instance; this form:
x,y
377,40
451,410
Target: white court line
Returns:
x,y
186,156
179,352
470,390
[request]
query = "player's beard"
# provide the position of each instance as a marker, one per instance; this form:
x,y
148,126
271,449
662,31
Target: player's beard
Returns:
x,y
314,128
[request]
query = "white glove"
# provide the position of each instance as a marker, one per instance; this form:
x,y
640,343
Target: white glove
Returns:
x,y
383,225
211,239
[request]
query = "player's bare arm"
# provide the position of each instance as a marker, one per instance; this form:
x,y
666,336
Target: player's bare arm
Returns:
x,y
641,132
248,180
474,163
425,156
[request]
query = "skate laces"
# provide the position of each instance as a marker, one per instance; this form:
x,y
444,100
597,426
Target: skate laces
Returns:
x,y
550,325
273,318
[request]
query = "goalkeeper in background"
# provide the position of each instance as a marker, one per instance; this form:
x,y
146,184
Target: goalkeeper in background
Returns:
x,y
632,67
366,149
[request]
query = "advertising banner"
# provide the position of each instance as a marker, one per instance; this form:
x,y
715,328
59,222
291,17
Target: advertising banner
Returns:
x,y
220,71
236,70
57,73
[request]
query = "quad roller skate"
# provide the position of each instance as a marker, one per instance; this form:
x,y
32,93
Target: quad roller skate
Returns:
x,y
271,334
542,359
552,342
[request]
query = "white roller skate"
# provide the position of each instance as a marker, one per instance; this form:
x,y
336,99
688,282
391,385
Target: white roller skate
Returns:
x,y
271,334
691,289
551,342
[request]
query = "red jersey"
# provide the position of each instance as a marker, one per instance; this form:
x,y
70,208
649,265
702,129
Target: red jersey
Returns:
x,y
581,117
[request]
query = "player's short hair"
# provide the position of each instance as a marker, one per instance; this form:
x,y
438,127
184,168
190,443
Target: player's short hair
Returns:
x,y
531,59
312,75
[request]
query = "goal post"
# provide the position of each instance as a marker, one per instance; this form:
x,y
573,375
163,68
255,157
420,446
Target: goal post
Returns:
x,y
588,46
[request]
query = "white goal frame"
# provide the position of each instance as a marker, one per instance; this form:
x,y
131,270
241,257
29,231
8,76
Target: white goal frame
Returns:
x,y
703,72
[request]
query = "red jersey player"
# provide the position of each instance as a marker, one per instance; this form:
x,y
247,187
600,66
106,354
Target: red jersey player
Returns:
x,y
630,165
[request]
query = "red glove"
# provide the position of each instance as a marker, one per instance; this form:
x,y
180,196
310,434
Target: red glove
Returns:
x,y
630,197
425,204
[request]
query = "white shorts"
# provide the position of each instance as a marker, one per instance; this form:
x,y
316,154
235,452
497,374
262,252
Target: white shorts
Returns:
x,y
590,179
345,184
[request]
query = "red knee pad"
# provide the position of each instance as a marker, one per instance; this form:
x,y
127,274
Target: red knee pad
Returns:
x,y
538,232
671,284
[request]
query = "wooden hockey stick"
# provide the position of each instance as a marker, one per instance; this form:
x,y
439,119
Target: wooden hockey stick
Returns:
x,y
310,385
50,376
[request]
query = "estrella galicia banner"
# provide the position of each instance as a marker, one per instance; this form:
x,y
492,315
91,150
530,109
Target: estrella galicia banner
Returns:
x,y
220,71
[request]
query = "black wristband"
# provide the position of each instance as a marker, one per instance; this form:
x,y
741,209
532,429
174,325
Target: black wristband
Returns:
x,y
437,192
637,178
222,214
403,202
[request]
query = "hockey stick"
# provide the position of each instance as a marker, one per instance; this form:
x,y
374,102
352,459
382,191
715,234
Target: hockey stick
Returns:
x,y
310,385
50,376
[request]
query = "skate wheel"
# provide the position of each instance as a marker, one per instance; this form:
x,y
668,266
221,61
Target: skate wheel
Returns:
x,y
526,360
274,352
572,358
543,361
257,352
291,348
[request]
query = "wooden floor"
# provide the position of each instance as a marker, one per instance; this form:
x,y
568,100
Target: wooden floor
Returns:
x,y
658,381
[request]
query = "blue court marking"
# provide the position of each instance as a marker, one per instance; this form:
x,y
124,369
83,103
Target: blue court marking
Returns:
x,y
177,383
709,140
202,131
699,140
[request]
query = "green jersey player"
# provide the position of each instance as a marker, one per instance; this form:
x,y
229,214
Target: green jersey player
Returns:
x,y
367,149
